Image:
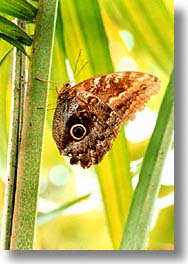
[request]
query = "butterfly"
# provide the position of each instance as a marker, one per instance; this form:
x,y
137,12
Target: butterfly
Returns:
x,y
88,115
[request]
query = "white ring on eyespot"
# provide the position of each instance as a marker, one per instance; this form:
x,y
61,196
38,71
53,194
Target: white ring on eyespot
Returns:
x,y
72,134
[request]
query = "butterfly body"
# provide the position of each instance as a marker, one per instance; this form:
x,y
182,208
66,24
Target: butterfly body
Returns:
x,y
88,115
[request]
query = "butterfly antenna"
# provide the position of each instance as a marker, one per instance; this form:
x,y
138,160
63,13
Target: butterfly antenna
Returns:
x,y
76,65
83,66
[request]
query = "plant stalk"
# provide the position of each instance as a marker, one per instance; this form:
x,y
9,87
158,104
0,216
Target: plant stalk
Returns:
x,y
18,81
30,152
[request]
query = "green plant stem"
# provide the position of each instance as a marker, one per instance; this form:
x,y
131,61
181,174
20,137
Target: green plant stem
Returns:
x,y
30,151
139,218
13,149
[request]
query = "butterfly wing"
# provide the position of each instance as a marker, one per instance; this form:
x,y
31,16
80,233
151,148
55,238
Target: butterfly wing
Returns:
x,y
85,113
125,92
88,115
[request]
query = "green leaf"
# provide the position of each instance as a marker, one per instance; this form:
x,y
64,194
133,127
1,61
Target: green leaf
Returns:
x,y
138,222
14,42
116,187
5,83
9,30
165,190
86,18
141,19
44,218
5,56
162,235
18,8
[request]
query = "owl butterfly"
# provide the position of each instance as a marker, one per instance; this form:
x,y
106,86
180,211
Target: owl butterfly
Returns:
x,y
88,115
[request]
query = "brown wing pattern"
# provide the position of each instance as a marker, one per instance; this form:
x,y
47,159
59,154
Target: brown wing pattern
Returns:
x,y
97,107
125,92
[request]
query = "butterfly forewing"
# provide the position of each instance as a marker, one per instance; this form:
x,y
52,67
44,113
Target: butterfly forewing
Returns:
x,y
125,92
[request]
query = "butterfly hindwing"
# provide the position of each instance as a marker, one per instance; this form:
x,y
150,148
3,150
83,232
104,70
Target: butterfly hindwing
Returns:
x,y
99,123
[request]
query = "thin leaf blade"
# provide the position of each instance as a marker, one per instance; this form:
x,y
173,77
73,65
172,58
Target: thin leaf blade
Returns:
x,y
18,8
138,222
44,218
11,31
